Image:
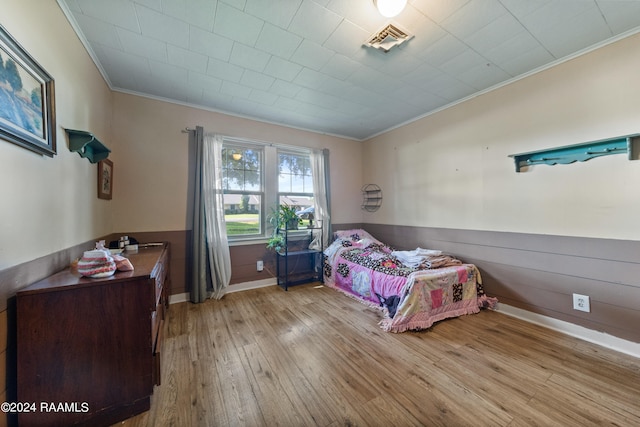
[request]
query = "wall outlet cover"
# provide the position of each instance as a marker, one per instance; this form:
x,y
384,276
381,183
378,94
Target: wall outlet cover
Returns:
x,y
581,303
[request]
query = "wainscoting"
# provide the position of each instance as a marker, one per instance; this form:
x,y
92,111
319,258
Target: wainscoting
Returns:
x,y
539,273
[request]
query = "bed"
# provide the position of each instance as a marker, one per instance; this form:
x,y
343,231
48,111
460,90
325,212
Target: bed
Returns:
x,y
414,289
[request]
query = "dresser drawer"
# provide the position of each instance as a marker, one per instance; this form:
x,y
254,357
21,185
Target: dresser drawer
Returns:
x,y
156,353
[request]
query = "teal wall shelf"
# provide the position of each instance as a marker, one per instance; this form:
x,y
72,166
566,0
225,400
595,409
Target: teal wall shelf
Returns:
x,y
87,145
578,152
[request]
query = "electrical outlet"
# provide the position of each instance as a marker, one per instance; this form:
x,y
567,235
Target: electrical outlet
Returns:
x,y
581,303
260,265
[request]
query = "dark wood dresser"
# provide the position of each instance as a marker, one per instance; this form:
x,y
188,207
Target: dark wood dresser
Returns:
x,y
88,350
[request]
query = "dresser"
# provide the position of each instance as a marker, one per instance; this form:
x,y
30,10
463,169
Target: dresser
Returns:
x,y
88,350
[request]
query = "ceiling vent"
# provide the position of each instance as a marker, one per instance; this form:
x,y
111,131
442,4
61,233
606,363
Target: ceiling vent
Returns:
x,y
388,37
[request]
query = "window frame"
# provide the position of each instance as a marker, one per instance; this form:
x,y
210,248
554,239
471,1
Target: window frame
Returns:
x,y
270,194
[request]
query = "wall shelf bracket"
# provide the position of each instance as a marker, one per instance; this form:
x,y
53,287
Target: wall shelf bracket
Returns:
x,y
87,145
579,152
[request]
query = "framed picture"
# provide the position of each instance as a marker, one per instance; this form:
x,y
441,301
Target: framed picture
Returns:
x,y
105,179
27,99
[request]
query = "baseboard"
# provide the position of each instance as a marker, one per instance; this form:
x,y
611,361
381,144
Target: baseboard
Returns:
x,y
605,340
178,298
184,297
251,285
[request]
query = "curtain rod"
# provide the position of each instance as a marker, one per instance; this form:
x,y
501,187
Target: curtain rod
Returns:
x,y
234,139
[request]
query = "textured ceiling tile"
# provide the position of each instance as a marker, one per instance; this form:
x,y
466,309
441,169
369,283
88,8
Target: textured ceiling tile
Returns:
x,y
515,47
277,12
526,61
364,14
314,22
125,62
153,4
98,31
205,81
277,41
312,55
439,10
142,46
116,12
263,97
443,50
494,34
522,8
483,76
472,17
237,25
282,69
461,63
248,57
234,89
309,78
238,4
256,80
285,89
119,77
163,27
340,67
215,99
187,59
620,15
210,44
574,33
224,70
346,39
196,12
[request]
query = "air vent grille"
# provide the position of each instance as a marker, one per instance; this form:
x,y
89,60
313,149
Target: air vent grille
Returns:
x,y
388,37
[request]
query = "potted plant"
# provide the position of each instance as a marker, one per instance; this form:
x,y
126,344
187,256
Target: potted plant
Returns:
x,y
276,243
284,217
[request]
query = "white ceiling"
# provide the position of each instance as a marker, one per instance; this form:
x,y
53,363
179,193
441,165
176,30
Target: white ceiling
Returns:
x,y
302,63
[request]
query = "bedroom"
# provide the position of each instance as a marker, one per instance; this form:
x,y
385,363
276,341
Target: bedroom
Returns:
x,y
535,241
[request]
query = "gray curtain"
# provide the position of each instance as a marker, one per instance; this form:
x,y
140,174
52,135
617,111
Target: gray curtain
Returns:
x,y
211,265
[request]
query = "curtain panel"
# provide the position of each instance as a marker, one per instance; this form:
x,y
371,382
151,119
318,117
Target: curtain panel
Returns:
x,y
210,251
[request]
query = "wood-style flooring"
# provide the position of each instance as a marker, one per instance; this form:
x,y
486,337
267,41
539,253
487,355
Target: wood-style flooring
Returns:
x,y
314,357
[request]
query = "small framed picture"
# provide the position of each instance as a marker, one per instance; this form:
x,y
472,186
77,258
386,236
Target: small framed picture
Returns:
x,y
105,179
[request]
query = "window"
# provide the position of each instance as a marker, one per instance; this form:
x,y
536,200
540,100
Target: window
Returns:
x,y
256,178
243,190
295,185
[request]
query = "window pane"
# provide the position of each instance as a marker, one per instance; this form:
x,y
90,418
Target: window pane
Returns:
x,y
241,169
243,214
294,173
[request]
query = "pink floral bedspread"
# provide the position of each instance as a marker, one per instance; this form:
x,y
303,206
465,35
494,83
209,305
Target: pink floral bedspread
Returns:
x,y
412,298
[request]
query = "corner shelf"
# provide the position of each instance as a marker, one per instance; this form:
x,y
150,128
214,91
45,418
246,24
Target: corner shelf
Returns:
x,y
578,152
87,145
371,197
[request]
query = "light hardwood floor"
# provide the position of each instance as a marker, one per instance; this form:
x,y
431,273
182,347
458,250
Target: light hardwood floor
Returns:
x,y
314,357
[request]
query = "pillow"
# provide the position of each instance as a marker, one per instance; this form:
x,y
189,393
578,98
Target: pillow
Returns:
x,y
353,235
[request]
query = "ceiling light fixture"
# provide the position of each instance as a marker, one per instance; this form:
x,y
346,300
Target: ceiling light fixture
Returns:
x,y
390,8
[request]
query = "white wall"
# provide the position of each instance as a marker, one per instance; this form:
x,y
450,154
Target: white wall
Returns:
x,y
48,204
451,169
151,161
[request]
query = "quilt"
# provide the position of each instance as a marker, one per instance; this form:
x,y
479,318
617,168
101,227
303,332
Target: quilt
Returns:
x,y
428,287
